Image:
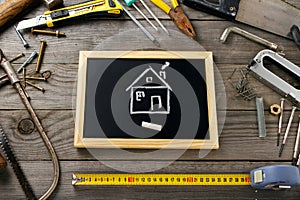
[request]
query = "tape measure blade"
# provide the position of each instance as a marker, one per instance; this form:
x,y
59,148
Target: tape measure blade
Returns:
x,y
161,179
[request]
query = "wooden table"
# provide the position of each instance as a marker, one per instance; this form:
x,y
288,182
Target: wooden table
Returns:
x,y
240,147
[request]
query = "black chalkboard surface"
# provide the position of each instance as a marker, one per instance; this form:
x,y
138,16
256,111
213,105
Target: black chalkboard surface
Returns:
x,y
146,99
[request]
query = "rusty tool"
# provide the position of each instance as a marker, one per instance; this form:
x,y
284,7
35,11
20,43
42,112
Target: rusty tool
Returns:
x,y
14,80
178,17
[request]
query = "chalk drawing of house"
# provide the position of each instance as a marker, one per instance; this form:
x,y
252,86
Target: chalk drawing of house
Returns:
x,y
149,94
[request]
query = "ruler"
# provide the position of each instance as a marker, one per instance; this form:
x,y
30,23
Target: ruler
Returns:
x,y
161,179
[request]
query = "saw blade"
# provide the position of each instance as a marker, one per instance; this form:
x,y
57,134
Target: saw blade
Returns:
x,y
15,165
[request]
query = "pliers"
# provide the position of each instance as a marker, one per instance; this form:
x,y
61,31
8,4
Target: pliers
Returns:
x,y
178,16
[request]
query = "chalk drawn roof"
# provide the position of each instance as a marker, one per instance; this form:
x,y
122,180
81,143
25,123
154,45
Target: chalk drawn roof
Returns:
x,y
144,73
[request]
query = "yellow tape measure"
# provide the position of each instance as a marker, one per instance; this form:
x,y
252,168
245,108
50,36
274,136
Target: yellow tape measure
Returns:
x,y
161,179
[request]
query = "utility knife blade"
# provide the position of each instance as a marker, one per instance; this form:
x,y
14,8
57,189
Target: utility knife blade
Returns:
x,y
274,16
33,22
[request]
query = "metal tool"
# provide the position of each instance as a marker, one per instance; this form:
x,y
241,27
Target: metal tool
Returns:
x,y
28,60
145,31
56,33
265,178
280,120
131,3
261,117
275,109
35,86
24,42
16,166
275,82
17,57
95,8
251,37
14,80
296,148
153,15
178,17
287,130
41,56
275,16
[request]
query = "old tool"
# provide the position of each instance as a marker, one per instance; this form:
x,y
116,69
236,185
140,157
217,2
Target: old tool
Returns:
x,y
251,37
280,120
178,17
33,55
35,86
24,42
14,80
153,15
15,165
41,56
131,3
56,33
11,9
96,8
265,178
145,31
287,130
296,148
279,85
274,16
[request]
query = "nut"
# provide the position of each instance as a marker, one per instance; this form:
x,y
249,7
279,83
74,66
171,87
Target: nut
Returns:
x,y
275,109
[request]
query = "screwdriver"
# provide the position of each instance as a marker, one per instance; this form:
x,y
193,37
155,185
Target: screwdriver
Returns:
x,y
147,33
156,19
131,3
296,148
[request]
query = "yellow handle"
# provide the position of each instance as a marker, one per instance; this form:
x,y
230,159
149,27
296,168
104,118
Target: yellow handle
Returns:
x,y
162,5
174,3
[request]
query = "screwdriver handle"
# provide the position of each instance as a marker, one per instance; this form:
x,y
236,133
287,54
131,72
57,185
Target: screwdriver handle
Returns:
x,y
11,8
129,2
162,5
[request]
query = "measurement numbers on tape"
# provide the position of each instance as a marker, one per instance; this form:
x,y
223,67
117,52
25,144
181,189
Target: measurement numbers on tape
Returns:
x,y
161,179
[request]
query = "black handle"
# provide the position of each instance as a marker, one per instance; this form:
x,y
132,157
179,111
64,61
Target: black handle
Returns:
x,y
296,35
225,8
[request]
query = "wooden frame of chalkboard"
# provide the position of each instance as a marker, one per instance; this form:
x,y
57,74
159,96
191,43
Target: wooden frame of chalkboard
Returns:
x,y
93,112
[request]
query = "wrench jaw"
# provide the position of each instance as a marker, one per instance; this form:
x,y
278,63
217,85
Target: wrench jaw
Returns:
x,y
275,82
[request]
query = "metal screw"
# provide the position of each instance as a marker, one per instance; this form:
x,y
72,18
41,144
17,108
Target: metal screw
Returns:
x,y
56,33
25,44
36,78
41,55
16,57
28,60
35,86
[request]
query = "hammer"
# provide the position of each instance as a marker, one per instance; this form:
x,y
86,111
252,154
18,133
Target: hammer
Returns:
x,y
10,9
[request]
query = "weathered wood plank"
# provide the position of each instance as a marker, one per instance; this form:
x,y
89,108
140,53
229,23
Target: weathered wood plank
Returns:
x,y
40,175
238,140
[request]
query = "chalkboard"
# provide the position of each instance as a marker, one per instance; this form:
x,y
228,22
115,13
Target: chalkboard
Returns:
x,y
146,99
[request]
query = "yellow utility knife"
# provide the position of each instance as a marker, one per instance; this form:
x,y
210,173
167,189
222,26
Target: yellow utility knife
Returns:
x,y
95,8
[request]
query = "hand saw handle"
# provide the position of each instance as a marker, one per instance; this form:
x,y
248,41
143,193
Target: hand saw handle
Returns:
x,y
226,8
11,8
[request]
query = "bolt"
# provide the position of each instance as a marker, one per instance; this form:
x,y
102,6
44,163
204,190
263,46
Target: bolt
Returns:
x,y
16,57
56,33
36,78
25,44
28,60
35,86
41,55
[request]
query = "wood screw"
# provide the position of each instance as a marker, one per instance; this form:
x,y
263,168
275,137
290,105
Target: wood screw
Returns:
x,y
40,57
